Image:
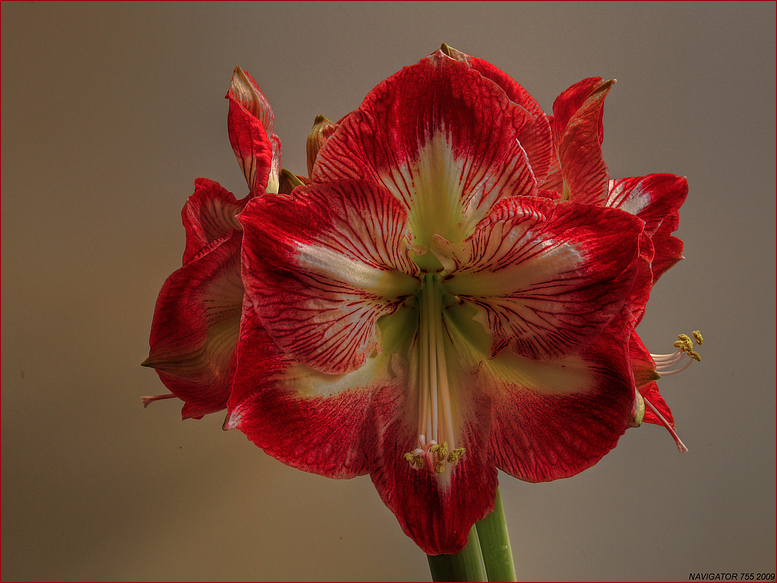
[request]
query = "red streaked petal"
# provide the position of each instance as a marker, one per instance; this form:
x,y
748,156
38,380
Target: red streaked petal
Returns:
x,y
437,518
209,214
250,123
568,103
442,138
650,393
669,249
642,364
322,267
534,136
652,198
548,277
554,419
580,150
304,418
195,327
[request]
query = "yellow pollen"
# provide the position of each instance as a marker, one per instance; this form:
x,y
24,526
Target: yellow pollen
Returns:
x,y
684,345
456,455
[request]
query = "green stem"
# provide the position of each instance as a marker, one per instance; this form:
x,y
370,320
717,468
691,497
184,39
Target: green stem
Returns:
x,y
466,565
495,544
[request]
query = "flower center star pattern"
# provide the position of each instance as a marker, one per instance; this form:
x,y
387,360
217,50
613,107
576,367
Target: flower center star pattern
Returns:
x,y
453,290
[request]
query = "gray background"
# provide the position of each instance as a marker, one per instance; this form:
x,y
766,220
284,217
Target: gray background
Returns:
x,y
109,112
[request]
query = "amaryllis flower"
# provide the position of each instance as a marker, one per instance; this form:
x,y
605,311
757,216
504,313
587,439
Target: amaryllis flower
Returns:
x,y
427,309
453,290
197,315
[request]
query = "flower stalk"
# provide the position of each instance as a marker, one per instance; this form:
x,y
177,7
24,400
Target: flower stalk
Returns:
x,y
466,565
487,556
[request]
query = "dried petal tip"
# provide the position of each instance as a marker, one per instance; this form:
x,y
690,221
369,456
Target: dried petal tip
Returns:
x,y
148,400
454,54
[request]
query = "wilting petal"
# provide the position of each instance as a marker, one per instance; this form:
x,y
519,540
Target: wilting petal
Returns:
x,y
548,277
553,419
195,327
324,266
209,214
250,124
442,139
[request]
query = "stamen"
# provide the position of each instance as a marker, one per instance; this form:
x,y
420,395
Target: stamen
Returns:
x,y
435,415
684,346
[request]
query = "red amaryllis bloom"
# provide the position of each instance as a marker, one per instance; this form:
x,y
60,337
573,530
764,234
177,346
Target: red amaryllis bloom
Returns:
x,y
197,316
428,308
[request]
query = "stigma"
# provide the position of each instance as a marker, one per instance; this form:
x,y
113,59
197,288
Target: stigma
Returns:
x,y
436,442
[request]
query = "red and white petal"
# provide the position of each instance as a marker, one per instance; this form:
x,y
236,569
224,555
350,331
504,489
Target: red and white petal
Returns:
x,y
567,105
250,124
195,327
534,136
548,277
304,418
579,150
668,249
652,198
209,214
442,139
554,419
323,267
438,517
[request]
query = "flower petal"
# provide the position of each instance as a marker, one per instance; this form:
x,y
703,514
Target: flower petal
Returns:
x,y
669,249
437,518
322,267
442,139
548,277
209,214
652,198
567,105
579,148
553,419
361,422
306,419
195,327
535,136
250,123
